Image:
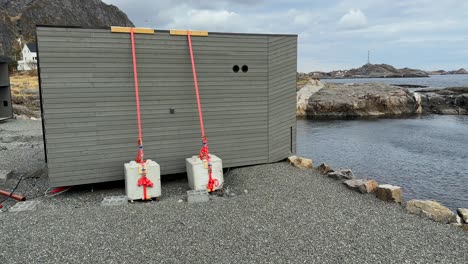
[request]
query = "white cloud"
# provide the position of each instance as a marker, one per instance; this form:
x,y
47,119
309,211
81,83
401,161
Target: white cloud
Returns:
x,y
333,34
207,19
354,19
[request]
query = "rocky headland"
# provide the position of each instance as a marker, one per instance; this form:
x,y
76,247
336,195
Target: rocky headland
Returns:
x,y
371,71
333,100
444,72
18,18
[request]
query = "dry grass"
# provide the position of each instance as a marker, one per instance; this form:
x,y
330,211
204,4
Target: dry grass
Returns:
x,y
25,90
24,80
301,82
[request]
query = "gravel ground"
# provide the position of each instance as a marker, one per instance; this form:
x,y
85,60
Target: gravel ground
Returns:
x,y
286,215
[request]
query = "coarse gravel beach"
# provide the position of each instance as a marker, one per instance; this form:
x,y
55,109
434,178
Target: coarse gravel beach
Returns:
x,y
280,214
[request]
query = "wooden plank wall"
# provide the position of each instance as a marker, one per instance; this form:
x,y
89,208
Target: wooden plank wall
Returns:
x,y
282,65
89,111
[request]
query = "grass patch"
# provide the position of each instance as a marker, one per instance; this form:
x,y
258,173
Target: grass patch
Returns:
x,y
25,90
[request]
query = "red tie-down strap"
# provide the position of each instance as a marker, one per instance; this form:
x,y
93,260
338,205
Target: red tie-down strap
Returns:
x,y
140,157
204,152
205,155
145,182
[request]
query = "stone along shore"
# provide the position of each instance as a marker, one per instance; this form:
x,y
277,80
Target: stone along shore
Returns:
x,y
425,208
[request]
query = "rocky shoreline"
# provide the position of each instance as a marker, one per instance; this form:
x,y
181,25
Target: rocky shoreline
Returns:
x,y
334,100
429,209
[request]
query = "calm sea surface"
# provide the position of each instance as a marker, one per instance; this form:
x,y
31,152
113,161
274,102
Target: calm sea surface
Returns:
x,y
435,81
427,156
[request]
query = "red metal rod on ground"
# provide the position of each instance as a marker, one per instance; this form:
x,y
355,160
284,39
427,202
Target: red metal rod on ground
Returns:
x,y
13,196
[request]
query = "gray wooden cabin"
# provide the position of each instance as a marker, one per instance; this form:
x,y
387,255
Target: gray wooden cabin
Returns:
x,y
6,109
88,100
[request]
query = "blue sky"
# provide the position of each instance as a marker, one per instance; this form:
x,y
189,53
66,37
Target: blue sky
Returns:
x,y
333,34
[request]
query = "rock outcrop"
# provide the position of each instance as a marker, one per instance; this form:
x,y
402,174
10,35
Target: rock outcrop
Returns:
x,y
389,193
335,100
463,213
305,93
432,210
452,100
20,17
355,100
361,185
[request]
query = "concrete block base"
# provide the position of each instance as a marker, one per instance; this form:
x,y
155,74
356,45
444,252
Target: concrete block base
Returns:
x,y
25,206
197,196
114,200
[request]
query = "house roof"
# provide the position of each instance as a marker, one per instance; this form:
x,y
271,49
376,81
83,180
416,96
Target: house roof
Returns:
x,y
32,47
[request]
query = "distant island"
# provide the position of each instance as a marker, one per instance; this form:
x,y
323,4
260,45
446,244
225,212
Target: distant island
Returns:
x,y
379,71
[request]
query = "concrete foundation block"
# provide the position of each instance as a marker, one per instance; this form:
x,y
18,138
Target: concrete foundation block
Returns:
x,y
135,191
25,206
197,172
197,196
114,200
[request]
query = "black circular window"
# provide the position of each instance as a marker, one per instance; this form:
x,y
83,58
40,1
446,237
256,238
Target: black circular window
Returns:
x,y
235,68
245,68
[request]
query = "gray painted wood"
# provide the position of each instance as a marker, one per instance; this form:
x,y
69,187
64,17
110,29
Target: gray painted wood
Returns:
x,y
89,107
6,108
282,61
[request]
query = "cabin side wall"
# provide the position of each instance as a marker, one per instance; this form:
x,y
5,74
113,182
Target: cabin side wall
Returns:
x,y
282,68
88,101
6,108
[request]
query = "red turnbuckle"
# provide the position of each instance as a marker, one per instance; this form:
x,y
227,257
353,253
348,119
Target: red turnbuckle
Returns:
x,y
204,153
212,183
140,154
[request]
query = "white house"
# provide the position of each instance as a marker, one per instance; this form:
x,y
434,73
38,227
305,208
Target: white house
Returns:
x,y
29,61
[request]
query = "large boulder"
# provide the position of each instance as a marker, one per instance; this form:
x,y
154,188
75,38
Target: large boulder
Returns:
x,y
341,174
463,213
432,210
389,193
354,100
324,169
361,185
301,162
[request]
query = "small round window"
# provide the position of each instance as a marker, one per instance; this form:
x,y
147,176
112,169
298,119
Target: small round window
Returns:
x,y
235,68
245,68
